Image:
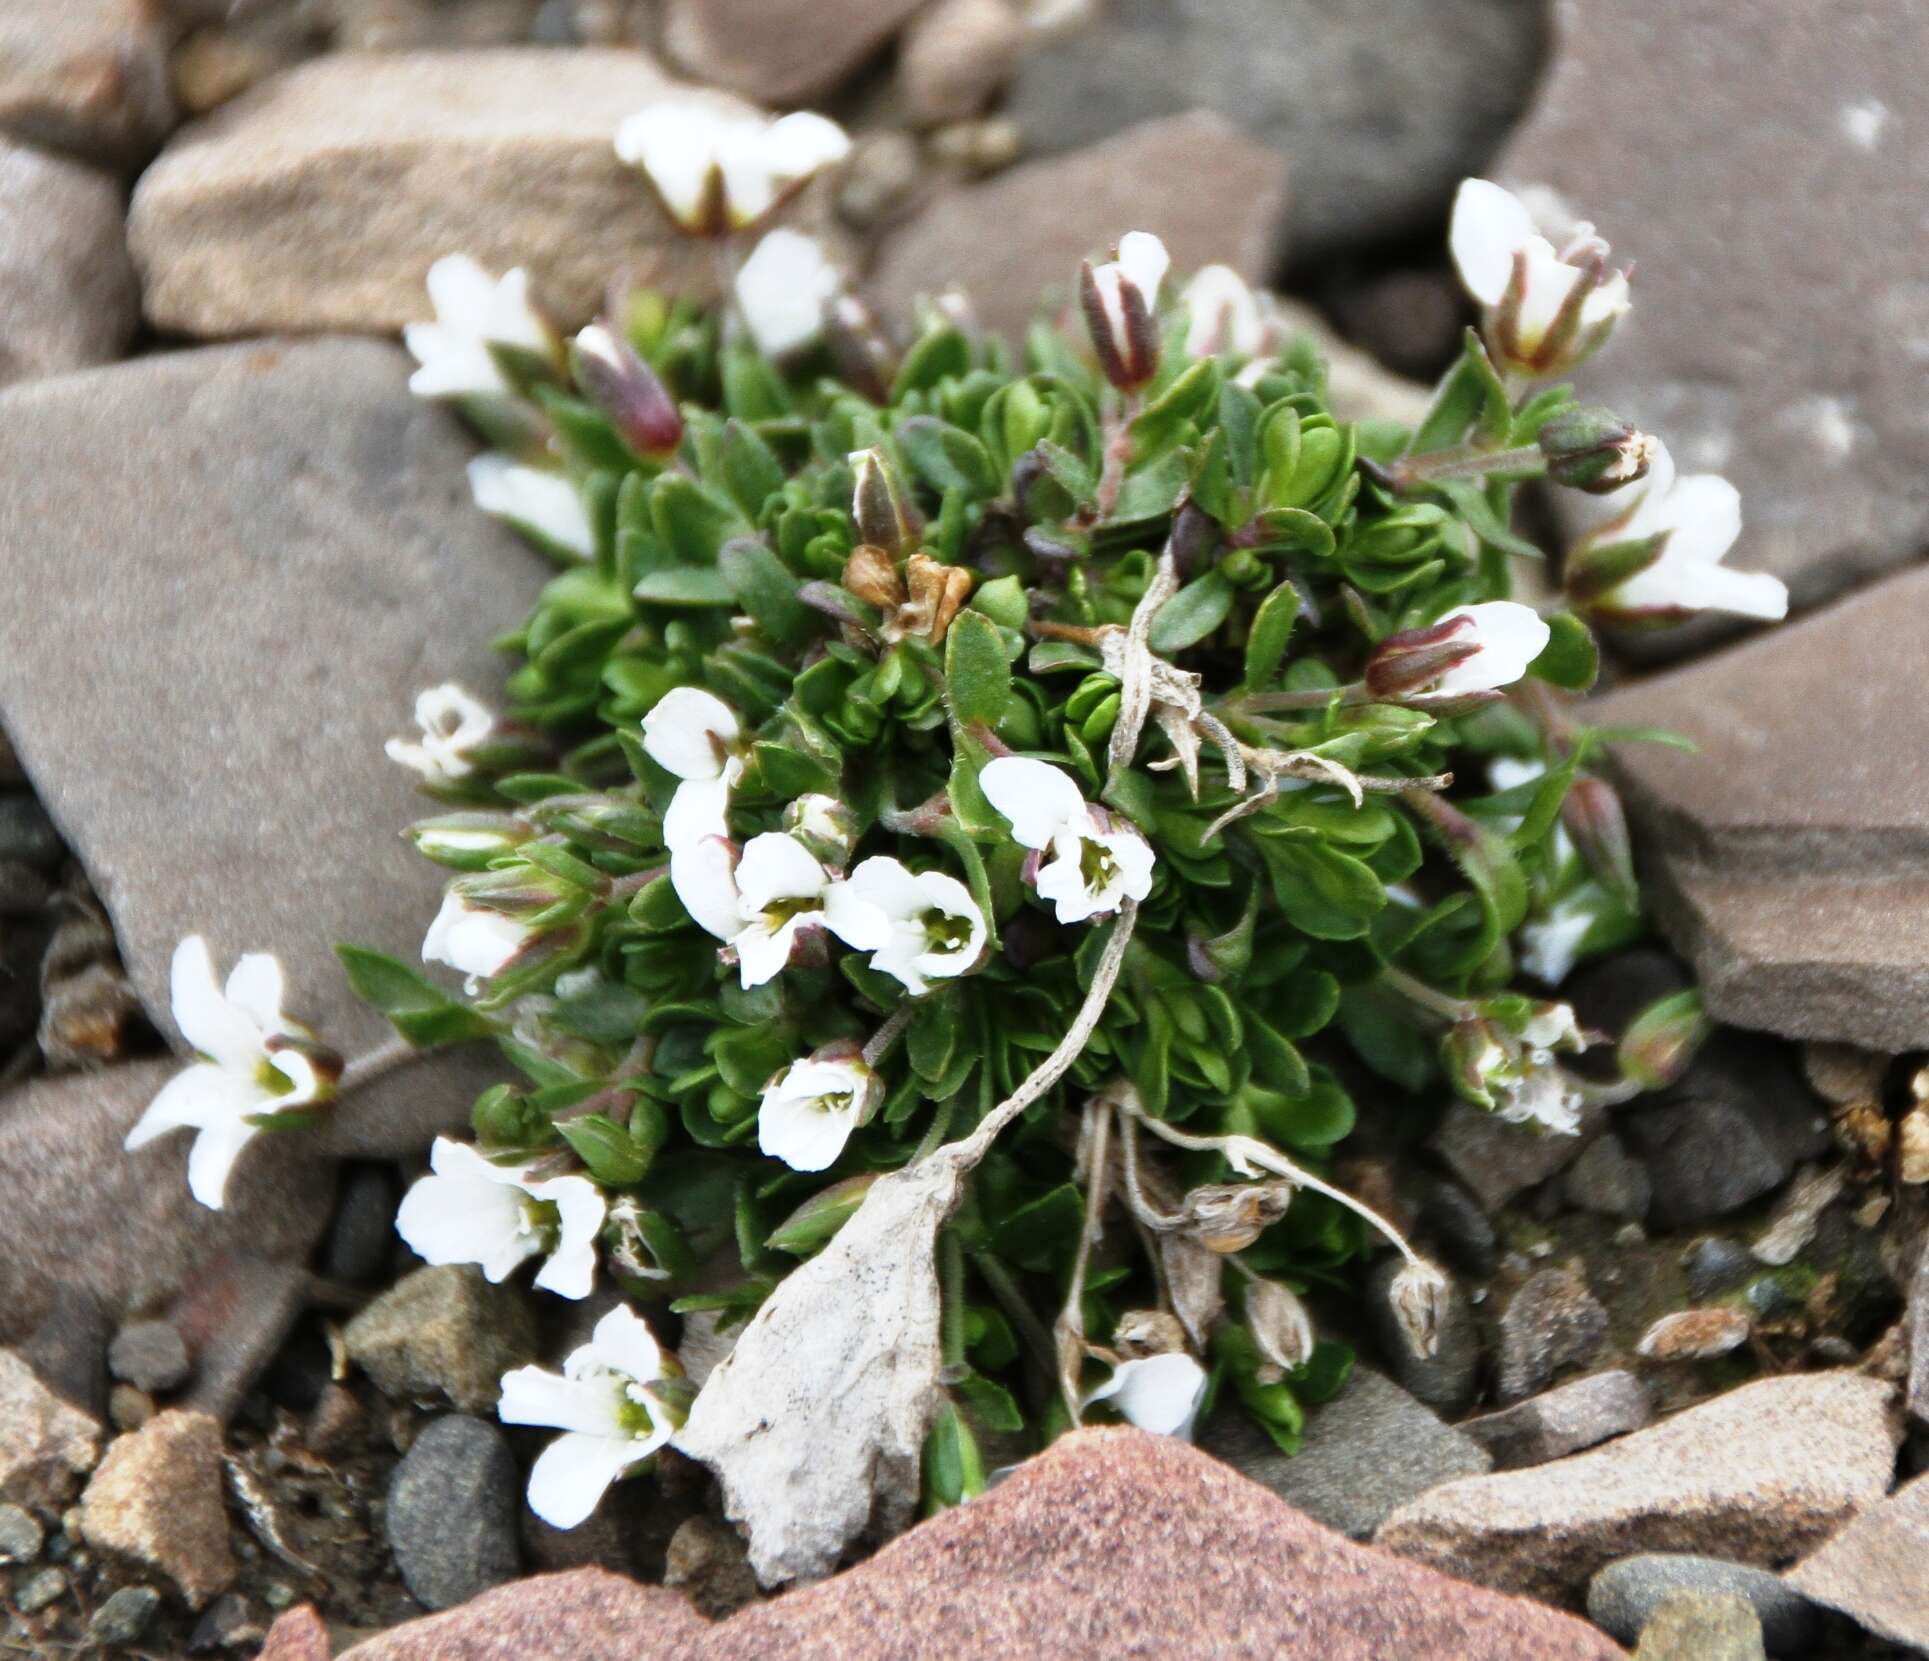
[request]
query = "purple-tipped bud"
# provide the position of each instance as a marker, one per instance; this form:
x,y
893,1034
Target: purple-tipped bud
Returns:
x,y
1413,659
626,389
1120,299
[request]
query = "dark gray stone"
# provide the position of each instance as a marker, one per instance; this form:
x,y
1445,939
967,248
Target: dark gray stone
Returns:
x,y
445,1332
67,292
1389,104
282,527
1564,1420
1552,1325
1622,1597
1453,1217
83,1214
1807,393
20,1536
151,1355
1366,1452
1606,1181
68,1349
227,1624
1716,1264
125,1616
452,1512
27,835
1498,1160
360,1243
1446,1381
37,1590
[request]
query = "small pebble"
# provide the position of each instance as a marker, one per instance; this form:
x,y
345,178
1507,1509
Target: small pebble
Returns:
x,y
20,1536
151,1355
129,1408
38,1590
124,1616
1694,1335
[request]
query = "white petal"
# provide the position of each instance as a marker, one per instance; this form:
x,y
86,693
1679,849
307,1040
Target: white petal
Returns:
x,y
453,364
1061,880
675,142
1549,948
1038,798
511,320
1143,261
689,732
859,921
703,876
201,1094
623,1341
697,813
1132,855
206,1019
1159,1393
1222,313
460,290
776,866
535,500
1704,511
537,1396
1509,637
571,1269
763,953
212,1157
801,143
1488,225
784,291
805,1136
465,1162
477,941
466,1219
572,1474
256,988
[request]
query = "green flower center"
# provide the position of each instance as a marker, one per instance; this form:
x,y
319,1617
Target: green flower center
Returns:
x,y
1096,865
944,932
543,1219
633,1411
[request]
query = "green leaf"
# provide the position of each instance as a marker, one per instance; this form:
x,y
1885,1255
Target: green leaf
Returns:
x,y
814,1222
614,1157
1331,895
954,1470
976,674
751,471
693,521
947,457
416,1007
686,585
762,584
1192,614
1470,395
1272,632
1035,1236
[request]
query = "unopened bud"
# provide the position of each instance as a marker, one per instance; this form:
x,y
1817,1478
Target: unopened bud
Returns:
x,y
934,592
619,383
1593,817
885,518
1143,1332
1279,1324
1663,1039
824,825
1419,1299
1120,300
1406,662
1589,447
468,841
643,1244
1474,1057
865,356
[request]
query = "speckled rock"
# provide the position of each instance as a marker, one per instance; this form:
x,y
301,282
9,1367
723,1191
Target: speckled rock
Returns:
x,y
1564,1420
1873,1570
46,1445
1447,1380
1760,1475
444,1332
67,292
1552,1325
451,1515
1498,1160
578,1615
156,1502
1694,1335
1702,1626
372,165
954,57
1622,1596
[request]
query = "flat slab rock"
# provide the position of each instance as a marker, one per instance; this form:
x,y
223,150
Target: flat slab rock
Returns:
x,y
1212,193
1780,307
1112,1543
1789,855
224,575
319,199
1761,1475
1876,1571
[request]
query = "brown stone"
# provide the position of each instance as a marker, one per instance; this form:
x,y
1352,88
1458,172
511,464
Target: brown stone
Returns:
x,y
1694,1335
1015,241
775,51
1787,856
156,1502
299,1634
955,56
46,1444
88,76
319,199
1779,300
1876,1571
67,294
1760,1475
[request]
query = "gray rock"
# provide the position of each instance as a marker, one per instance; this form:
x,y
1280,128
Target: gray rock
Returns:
x,y
361,1240
444,1331
1702,1626
1552,1325
1786,858
1016,240
46,1444
68,1349
20,1536
1760,1474
370,166
1622,1597
778,54
452,1512
1445,1381
82,1213
89,76
1872,1571
1561,1421
1715,1264
1498,1160
243,484
35,1591
151,1355
1807,395
27,835
1606,1181
235,1317
67,291
1731,1131
1916,1395
1452,1216
125,1616
1389,104
1366,1452
709,1564
955,56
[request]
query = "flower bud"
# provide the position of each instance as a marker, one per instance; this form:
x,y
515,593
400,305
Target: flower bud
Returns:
x,y
1419,1299
865,357
885,518
626,389
468,841
824,825
814,1222
643,1244
1663,1039
1280,1325
1229,1217
1590,448
1474,1058
1120,300
1413,659
1593,817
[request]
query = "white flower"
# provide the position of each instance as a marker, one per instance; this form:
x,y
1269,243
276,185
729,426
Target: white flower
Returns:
x,y
704,875
1700,515
247,1067
1223,314
1550,945
695,735
474,312
810,1109
1547,1096
1545,310
1121,300
453,724
781,889
471,1211
1160,1393
1093,867
784,291
1507,637
542,505
926,924
610,1405
717,171
475,939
